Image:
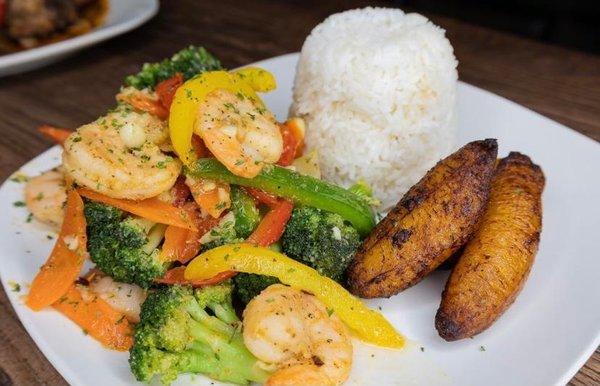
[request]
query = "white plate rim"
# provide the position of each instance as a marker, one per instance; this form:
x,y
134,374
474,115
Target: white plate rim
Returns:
x,y
73,378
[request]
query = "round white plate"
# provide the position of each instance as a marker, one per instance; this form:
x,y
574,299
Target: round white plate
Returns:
x,y
123,16
543,339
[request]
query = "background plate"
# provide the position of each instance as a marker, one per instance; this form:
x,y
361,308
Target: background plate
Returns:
x,y
543,339
123,16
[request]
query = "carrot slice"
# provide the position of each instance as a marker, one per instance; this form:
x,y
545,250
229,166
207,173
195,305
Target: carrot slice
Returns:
x,y
175,276
271,227
96,317
183,244
57,134
151,208
213,197
64,264
166,89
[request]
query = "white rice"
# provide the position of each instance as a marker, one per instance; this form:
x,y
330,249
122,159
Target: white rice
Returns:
x,y
377,88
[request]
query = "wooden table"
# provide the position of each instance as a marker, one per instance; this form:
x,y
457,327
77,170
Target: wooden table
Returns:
x,y
561,84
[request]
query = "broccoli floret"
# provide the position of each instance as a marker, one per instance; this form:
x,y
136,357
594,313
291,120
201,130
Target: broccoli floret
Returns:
x,y
190,62
321,240
317,238
224,233
236,225
249,285
124,247
183,330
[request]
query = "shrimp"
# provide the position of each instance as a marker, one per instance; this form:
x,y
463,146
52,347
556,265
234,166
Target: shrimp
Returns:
x,y
125,298
119,155
45,196
242,135
143,100
294,332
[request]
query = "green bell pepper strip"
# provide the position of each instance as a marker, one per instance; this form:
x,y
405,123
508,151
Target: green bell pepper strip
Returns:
x,y
245,212
301,189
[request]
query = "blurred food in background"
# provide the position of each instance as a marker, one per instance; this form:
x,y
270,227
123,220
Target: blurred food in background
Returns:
x,y
27,24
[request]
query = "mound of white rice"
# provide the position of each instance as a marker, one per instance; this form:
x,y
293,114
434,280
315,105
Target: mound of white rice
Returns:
x,y
377,88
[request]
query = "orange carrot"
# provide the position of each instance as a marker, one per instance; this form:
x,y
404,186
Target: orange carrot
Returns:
x,y
166,89
213,197
182,244
151,208
57,134
65,262
96,317
175,276
271,227
143,102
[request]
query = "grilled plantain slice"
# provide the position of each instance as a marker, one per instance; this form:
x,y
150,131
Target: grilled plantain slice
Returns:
x,y
433,219
496,262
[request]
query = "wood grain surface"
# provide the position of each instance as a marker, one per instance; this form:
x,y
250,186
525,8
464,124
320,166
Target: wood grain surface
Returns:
x,y
561,84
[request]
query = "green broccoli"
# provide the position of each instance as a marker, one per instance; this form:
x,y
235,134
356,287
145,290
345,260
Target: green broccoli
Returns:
x,y
249,285
223,233
183,330
190,62
236,225
122,246
321,240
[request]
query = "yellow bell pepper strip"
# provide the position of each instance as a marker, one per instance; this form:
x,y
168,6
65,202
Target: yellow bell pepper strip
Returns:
x,y
367,324
184,108
303,190
260,80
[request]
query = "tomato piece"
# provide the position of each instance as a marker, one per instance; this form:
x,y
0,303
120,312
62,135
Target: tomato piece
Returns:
x,y
167,88
289,146
180,192
271,227
262,196
200,148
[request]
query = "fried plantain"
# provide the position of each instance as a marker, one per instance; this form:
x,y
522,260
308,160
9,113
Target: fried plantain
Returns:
x,y
496,262
433,219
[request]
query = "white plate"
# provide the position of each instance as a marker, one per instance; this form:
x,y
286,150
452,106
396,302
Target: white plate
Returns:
x,y
543,339
123,16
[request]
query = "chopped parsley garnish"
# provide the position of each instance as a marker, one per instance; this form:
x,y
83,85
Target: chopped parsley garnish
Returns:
x,y
14,286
